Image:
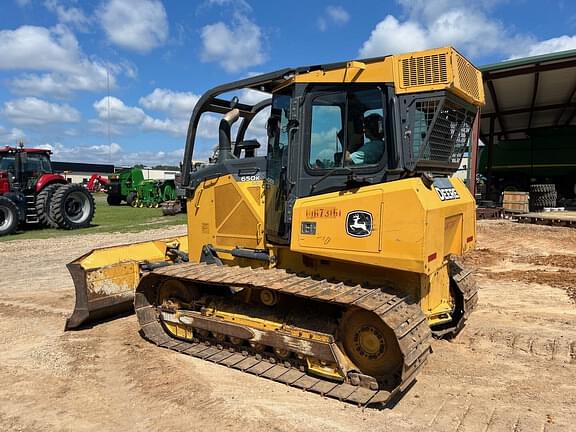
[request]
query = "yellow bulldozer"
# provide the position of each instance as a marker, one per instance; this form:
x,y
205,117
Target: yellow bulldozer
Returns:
x,y
329,263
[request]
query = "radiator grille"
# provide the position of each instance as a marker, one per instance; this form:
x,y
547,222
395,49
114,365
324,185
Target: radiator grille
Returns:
x,y
441,131
468,77
424,70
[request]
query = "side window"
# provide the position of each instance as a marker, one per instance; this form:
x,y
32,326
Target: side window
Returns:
x,y
326,131
348,128
366,143
7,163
277,129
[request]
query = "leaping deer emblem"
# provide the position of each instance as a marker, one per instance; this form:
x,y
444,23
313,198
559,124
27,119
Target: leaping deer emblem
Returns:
x,y
357,225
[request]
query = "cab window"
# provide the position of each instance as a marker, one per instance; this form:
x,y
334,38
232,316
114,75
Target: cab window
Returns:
x,y
7,163
327,118
347,129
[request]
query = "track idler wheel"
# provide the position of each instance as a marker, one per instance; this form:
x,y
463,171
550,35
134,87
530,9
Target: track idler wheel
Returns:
x,y
175,291
268,297
370,344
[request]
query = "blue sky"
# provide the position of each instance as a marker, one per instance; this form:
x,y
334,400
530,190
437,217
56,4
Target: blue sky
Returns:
x,y
58,58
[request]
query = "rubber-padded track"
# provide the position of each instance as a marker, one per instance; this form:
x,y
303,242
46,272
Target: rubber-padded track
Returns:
x,y
401,314
467,292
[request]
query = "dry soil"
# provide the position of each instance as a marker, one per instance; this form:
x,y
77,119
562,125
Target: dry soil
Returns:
x,y
513,368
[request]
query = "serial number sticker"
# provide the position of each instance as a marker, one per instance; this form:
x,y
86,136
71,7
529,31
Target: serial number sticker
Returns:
x,y
446,194
323,213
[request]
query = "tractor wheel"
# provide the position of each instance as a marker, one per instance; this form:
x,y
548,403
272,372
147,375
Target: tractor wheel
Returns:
x,y
8,216
43,200
131,198
72,207
113,200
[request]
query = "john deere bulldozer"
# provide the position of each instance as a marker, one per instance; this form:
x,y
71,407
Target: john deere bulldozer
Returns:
x,y
329,263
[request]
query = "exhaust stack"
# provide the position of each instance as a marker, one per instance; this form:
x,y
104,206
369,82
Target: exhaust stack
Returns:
x,y
224,141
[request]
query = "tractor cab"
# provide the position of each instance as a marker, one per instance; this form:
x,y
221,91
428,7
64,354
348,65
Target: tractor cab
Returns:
x,y
25,167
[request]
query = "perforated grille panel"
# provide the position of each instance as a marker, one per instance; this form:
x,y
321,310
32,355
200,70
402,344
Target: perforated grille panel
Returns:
x,y
440,132
450,132
423,70
439,69
468,77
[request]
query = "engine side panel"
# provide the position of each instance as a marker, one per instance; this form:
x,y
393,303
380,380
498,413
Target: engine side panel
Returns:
x,y
226,213
400,225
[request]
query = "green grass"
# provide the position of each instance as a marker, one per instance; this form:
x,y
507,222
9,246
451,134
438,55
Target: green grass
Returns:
x,y
107,219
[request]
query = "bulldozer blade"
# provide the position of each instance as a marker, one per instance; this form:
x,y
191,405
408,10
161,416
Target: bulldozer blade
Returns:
x,y
105,279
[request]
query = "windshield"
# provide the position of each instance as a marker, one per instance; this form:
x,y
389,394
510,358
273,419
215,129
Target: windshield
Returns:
x,y
37,163
7,162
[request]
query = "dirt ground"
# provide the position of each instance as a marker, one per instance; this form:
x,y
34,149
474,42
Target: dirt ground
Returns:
x,y
513,368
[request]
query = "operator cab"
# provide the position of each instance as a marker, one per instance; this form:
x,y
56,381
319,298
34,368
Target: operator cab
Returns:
x,y
21,164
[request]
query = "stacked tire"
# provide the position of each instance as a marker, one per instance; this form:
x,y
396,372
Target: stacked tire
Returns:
x,y
65,206
542,195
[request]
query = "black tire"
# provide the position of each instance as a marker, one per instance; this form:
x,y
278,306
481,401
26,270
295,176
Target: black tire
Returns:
x,y
72,207
131,198
8,216
43,205
113,200
543,187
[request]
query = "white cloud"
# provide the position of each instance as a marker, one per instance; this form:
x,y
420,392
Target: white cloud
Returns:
x,y
104,149
57,52
333,15
439,23
72,15
34,111
232,3
561,43
179,104
10,136
138,25
114,113
112,109
234,47
176,127
56,84
39,48
22,3
390,36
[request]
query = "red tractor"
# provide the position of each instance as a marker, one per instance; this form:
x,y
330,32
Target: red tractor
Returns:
x,y
31,193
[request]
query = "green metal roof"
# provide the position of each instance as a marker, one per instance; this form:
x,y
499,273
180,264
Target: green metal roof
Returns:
x,y
526,94
525,61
